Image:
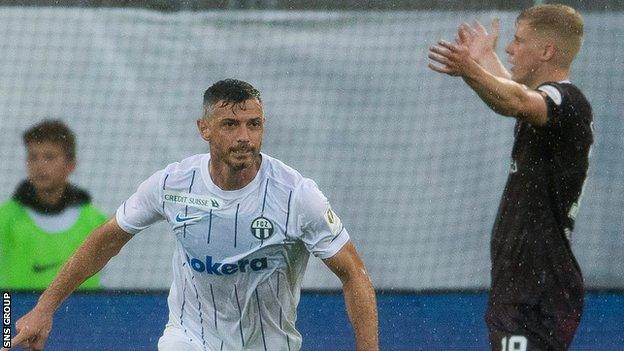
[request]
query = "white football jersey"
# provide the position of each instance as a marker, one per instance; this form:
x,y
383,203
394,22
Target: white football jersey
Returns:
x,y
240,255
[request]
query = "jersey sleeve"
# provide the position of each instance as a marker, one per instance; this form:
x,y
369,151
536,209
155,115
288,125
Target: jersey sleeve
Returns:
x,y
143,208
318,226
556,101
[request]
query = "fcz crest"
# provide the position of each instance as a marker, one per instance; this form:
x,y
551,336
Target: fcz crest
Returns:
x,y
262,228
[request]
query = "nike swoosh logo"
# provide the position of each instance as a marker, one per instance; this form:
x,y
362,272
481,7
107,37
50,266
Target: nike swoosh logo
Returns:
x,y
40,268
180,219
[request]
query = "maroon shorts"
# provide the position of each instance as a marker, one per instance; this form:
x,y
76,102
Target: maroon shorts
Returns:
x,y
523,327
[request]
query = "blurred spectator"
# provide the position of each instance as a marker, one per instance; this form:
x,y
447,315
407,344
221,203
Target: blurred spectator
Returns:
x,y
47,218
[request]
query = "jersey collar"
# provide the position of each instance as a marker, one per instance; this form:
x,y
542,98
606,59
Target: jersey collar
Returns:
x,y
233,194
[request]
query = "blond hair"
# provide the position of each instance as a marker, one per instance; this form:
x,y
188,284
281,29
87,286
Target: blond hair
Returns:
x,y
562,23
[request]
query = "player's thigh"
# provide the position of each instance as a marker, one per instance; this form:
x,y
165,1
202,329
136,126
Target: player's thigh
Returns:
x,y
174,339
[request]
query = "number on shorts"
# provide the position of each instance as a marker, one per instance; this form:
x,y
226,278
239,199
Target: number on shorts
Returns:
x,y
514,343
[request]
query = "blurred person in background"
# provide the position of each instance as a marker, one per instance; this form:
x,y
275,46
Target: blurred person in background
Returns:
x,y
47,218
536,297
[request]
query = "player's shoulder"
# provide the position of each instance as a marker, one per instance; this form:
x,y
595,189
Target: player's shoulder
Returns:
x,y
183,172
281,173
188,164
305,192
563,93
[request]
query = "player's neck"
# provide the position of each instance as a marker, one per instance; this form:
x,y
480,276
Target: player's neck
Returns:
x,y
228,178
549,74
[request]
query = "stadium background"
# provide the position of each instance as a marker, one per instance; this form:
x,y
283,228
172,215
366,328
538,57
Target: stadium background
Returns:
x,y
411,160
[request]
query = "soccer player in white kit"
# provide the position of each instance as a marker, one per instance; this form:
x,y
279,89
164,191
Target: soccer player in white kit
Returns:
x,y
244,224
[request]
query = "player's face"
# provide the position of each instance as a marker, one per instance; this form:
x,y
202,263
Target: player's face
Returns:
x,y
48,166
234,133
524,54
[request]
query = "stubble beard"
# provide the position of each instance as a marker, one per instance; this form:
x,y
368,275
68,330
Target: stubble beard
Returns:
x,y
240,165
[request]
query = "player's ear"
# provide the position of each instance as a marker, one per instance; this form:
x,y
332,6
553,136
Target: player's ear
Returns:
x,y
548,52
204,128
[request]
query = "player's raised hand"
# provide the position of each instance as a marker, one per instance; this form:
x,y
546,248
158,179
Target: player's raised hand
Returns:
x,y
477,39
32,330
449,58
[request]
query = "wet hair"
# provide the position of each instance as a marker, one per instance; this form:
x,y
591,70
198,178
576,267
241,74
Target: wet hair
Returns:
x,y
563,22
229,92
53,131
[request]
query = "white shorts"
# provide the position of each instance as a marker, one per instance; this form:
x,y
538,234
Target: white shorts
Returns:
x,y
174,339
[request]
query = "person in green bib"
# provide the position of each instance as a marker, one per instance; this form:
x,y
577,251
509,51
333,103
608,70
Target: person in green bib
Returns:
x,y
47,218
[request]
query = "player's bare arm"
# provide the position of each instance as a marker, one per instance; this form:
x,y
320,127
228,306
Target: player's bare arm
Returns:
x,y
359,296
502,95
482,46
104,243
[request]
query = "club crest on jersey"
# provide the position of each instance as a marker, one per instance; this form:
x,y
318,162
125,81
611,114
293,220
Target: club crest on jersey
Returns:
x,y
262,228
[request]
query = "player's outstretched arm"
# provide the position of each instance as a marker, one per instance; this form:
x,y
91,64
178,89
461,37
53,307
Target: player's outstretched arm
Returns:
x,y
502,95
359,296
482,46
103,243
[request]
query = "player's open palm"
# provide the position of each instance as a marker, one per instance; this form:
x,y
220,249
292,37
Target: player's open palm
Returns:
x,y
449,58
477,39
32,330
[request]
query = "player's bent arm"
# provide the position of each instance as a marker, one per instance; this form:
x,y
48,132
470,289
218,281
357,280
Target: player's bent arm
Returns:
x,y
103,243
502,95
359,296
507,97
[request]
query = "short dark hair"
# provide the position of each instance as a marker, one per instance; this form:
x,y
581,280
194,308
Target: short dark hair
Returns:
x,y
230,91
53,131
